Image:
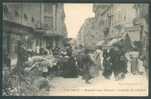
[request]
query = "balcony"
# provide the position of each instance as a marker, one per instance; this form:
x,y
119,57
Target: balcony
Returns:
x,y
46,31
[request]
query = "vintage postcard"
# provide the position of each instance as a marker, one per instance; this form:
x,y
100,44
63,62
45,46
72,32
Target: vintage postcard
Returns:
x,y
75,49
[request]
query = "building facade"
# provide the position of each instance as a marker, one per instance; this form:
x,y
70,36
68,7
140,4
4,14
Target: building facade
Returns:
x,y
103,16
94,29
112,20
37,24
87,33
142,20
115,16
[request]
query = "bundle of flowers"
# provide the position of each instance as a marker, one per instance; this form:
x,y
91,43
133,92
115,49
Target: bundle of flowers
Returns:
x,y
40,62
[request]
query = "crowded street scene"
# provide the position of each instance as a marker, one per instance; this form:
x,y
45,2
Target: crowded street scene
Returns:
x,y
59,49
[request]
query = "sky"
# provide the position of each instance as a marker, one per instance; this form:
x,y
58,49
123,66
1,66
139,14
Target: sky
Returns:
x,y
75,17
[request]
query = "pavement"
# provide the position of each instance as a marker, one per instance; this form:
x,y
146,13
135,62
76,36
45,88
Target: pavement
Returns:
x,y
132,85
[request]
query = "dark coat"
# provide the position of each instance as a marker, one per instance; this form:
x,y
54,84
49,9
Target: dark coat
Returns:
x,y
22,57
107,64
118,61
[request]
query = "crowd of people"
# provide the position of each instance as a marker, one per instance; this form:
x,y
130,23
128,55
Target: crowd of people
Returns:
x,y
79,61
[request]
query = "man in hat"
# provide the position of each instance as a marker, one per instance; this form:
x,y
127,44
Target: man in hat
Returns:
x,y
115,54
107,65
119,65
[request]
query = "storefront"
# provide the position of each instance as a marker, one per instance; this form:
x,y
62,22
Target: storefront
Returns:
x,y
12,33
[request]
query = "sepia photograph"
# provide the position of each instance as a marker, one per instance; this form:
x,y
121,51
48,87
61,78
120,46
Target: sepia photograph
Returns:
x,y
75,49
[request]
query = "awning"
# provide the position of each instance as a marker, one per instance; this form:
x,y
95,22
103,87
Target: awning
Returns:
x,y
48,33
139,21
113,41
12,27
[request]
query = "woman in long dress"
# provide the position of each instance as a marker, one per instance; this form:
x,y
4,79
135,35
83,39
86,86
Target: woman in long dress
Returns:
x,y
115,54
107,64
134,65
99,58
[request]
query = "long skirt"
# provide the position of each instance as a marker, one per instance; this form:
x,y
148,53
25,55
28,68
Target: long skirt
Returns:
x,y
70,70
107,69
134,66
94,71
116,68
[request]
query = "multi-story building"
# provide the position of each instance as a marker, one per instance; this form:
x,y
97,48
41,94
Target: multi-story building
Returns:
x,y
102,14
93,29
87,33
115,16
111,20
37,24
123,14
142,20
